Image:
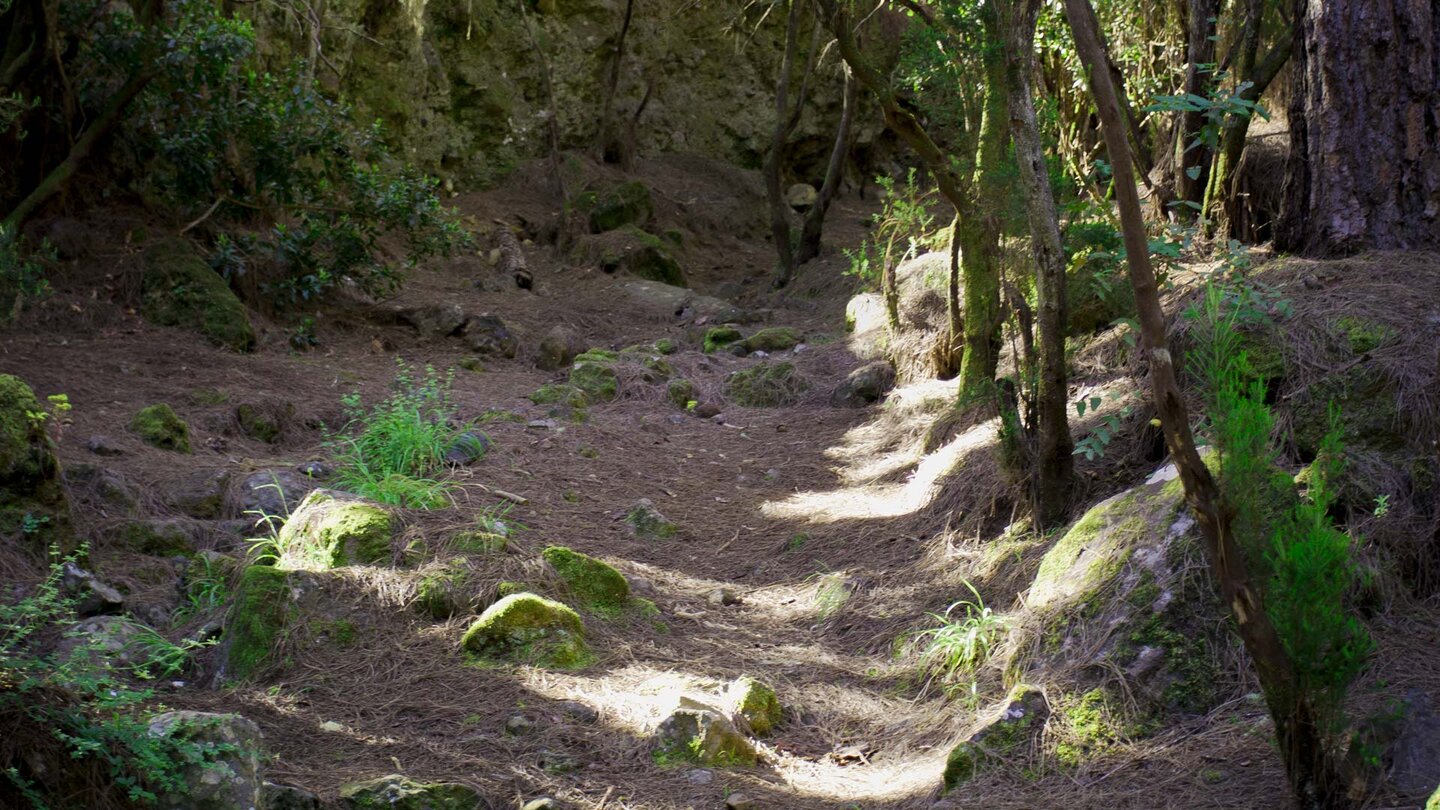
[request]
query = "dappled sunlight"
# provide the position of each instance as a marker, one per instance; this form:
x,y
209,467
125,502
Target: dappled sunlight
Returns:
x,y
886,500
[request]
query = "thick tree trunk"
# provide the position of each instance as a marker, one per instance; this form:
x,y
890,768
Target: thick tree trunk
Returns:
x,y
1054,463
779,210
1314,775
1364,168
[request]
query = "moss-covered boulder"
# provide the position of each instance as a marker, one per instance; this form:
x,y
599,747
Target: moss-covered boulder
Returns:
x,y
625,204
773,339
647,256
1010,732
159,426
264,421
179,289
647,522
1125,591
528,629
593,373
557,349
719,337
700,735
444,589
257,620
33,506
757,703
766,385
595,584
560,394
332,529
228,775
162,537
396,792
680,392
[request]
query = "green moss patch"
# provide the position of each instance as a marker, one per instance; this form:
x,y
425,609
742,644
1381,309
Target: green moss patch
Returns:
x,y
774,339
1011,733
766,385
595,584
647,522
257,620
757,703
396,792
158,425
560,394
528,629
33,505
179,289
625,204
680,393
332,529
719,337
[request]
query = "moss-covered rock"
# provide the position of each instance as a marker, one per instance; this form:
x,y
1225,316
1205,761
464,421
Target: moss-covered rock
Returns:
x,y
595,584
228,776
757,703
773,339
1019,721
647,522
257,620
560,394
162,537
159,426
264,422
700,735
646,256
594,375
179,289
625,204
528,629
332,529
396,792
719,337
680,392
766,385
33,506
444,589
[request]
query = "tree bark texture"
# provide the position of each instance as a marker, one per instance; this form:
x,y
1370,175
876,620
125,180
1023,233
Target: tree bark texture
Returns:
x,y
1191,158
1364,166
779,210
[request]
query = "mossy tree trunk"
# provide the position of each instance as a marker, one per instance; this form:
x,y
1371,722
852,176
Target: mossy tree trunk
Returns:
x,y
980,239
1316,778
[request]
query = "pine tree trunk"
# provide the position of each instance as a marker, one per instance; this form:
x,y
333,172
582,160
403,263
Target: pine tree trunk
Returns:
x,y
1364,168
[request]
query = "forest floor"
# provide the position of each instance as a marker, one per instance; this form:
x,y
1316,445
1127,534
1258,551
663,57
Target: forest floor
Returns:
x,y
828,524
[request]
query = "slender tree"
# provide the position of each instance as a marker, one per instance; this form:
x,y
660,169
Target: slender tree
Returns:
x,y
774,193
1315,777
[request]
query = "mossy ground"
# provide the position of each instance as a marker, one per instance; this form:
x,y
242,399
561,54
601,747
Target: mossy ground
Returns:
x,y
258,620
766,385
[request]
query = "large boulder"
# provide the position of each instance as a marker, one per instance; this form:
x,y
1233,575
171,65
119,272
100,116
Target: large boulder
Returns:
x,y
530,629
625,204
227,774
634,251
33,506
772,339
257,620
669,302
331,529
396,792
595,584
488,336
558,348
180,289
271,493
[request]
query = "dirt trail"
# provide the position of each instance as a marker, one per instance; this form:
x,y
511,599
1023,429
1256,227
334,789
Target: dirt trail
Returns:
x,y
821,520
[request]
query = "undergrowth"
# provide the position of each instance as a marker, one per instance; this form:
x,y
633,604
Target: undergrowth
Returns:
x,y
961,644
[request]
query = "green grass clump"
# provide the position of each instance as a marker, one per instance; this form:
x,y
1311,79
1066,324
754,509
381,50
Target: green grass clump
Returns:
x,y
961,643
392,452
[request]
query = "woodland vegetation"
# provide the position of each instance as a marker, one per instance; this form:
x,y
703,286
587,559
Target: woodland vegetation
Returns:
x,y
1087,349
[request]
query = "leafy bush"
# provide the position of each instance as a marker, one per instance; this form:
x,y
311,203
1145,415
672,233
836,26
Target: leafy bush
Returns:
x,y
389,452
22,274
902,226
76,724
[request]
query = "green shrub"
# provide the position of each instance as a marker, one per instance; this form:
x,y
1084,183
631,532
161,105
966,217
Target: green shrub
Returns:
x,y
390,452
22,274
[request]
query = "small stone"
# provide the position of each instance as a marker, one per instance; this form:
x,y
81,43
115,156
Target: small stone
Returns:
x,y
400,792
864,386
577,711
739,801
519,725
314,469
92,596
706,410
801,196
487,335
718,419
435,320
332,727
700,776
554,762
701,735
646,521
102,445
286,797
467,448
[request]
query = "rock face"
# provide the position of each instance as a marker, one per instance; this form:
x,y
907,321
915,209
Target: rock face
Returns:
x,y
1009,734
158,426
595,584
647,522
33,507
227,779
396,792
179,289
864,386
527,628
766,385
701,735
332,529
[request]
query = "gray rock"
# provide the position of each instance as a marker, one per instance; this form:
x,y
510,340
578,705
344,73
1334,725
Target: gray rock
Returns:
x,y
666,301
542,803
314,469
286,797
577,711
435,320
467,448
1404,742
701,735
275,492
864,386
102,445
159,537
707,410
740,801
201,494
104,490
646,521
519,725
104,641
487,335
558,348
92,596
229,778
402,792
699,776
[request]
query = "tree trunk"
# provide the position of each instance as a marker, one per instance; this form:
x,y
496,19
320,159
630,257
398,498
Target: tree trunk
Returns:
x,y
1364,167
810,234
1232,141
1314,776
1054,462
779,210
1192,160
980,242
611,145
